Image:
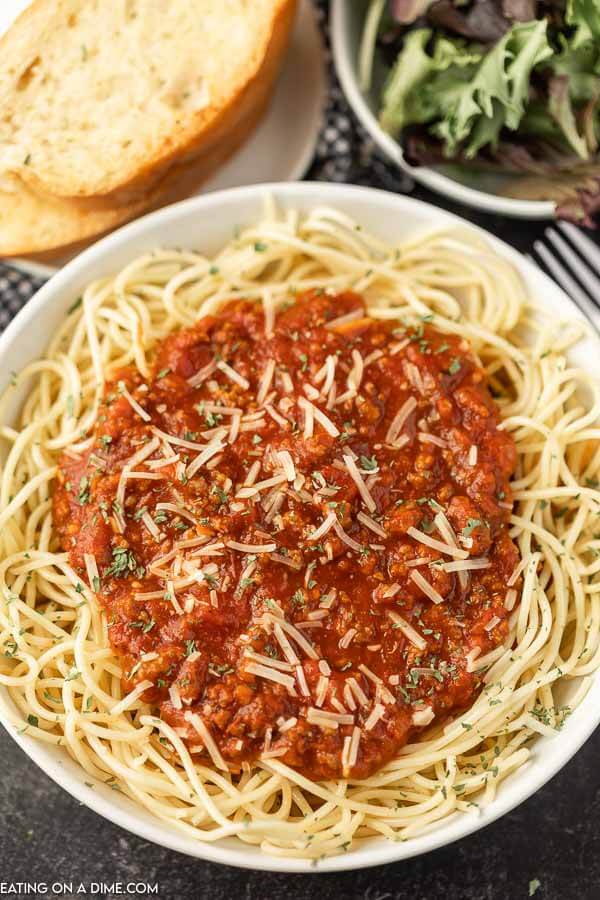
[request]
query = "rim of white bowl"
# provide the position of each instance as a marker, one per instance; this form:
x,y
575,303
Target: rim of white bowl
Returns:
x,y
371,852
340,13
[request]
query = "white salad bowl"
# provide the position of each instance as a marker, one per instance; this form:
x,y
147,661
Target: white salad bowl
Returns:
x,y
347,17
206,223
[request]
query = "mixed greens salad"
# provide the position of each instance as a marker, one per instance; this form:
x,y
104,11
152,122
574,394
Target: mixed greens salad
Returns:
x,y
508,86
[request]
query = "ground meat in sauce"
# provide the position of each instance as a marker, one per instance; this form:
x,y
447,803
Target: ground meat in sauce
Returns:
x,y
200,623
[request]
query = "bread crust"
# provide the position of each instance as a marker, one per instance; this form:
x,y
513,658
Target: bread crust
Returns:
x,y
204,129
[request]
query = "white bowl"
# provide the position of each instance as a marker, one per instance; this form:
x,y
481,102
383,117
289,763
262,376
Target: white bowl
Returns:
x,y
347,17
206,223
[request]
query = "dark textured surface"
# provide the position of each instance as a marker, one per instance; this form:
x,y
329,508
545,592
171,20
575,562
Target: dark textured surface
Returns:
x,y
553,838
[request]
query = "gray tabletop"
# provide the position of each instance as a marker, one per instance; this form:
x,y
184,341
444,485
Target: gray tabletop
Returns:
x,y
548,848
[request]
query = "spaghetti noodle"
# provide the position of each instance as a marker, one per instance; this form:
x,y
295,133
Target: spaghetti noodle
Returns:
x,y
65,682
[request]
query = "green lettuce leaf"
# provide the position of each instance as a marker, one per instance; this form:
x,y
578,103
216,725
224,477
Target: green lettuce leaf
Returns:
x,y
403,101
528,46
463,91
412,69
561,109
584,16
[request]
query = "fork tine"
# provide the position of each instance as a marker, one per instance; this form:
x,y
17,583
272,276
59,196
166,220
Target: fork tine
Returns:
x,y
578,267
568,283
588,249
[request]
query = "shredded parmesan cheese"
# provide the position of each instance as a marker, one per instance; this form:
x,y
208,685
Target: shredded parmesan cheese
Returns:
x,y
207,739
376,714
233,375
202,374
134,404
343,536
372,524
265,382
435,544
318,716
399,420
324,527
312,411
407,630
271,674
427,588
422,717
360,483
203,457
251,548
287,463
344,320
92,571
427,438
465,565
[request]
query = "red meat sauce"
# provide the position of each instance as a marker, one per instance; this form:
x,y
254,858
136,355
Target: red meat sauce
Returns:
x,y
356,685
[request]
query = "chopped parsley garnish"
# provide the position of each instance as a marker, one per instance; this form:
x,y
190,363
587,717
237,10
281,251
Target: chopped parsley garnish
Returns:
x,y
162,374
220,493
471,525
144,626
11,648
83,496
260,247
369,463
318,480
190,647
298,598
220,669
124,563
212,419
454,366
105,440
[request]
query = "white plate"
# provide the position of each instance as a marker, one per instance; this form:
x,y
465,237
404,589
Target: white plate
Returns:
x,y
346,26
283,145
206,223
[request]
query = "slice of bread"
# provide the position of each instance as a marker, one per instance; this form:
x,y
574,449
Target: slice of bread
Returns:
x,y
102,97
34,222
